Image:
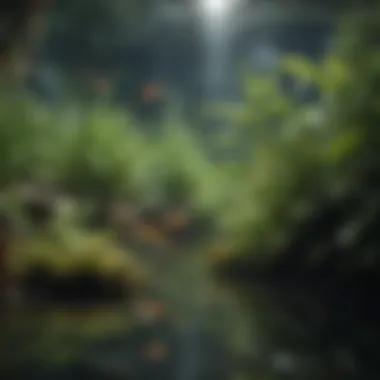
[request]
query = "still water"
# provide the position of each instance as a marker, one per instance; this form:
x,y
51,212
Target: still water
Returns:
x,y
187,329
179,330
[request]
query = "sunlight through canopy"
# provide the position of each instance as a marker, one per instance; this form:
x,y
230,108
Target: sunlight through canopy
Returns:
x,y
217,7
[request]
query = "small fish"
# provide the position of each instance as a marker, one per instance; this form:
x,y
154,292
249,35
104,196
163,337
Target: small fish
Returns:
x,y
152,91
157,351
150,309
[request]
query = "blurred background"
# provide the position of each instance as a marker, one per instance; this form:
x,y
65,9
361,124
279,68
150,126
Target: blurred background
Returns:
x,y
189,189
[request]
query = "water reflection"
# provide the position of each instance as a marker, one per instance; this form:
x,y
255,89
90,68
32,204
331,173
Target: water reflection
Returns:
x,y
165,334
312,331
284,333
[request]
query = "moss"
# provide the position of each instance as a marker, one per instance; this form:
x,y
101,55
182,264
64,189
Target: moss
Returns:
x,y
85,268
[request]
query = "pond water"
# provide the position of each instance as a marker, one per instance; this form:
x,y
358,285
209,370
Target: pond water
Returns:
x,y
174,332
186,329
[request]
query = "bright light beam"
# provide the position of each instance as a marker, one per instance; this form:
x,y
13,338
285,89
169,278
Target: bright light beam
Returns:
x,y
216,7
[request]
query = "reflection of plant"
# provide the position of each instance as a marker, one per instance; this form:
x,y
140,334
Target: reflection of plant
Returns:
x,y
56,337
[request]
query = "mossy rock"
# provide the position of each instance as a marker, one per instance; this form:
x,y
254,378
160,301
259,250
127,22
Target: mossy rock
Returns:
x,y
81,268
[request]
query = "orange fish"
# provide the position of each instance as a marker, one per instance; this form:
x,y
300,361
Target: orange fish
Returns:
x,y
153,309
152,91
157,351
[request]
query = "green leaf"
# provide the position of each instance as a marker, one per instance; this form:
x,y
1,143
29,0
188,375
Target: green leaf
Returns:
x,y
344,144
300,68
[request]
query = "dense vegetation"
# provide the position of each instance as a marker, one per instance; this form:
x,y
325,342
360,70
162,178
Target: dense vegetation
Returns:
x,y
300,162
310,233
296,205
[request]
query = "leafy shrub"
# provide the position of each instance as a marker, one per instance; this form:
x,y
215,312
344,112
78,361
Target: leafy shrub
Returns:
x,y
310,159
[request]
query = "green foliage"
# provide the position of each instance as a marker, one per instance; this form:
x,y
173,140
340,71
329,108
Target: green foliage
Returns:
x,y
304,155
71,254
97,152
295,152
291,157
187,175
101,156
21,136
